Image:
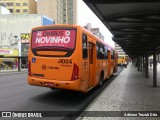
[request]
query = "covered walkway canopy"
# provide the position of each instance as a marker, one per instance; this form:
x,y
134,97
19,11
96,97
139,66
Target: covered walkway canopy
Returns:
x,y
135,24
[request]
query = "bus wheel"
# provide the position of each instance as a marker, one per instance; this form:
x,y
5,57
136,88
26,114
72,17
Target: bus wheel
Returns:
x,y
101,80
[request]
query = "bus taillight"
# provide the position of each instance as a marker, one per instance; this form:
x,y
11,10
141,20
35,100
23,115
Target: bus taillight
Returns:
x,y
29,68
75,72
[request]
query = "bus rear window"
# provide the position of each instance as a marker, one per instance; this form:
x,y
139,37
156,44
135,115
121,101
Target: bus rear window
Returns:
x,y
63,39
121,57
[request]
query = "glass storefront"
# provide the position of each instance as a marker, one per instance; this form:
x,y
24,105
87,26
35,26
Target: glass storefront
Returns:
x,y
8,63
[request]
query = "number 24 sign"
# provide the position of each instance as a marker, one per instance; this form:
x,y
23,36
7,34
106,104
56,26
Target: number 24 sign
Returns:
x,y
25,37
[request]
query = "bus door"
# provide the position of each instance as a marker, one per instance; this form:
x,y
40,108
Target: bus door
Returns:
x,y
109,63
91,65
86,64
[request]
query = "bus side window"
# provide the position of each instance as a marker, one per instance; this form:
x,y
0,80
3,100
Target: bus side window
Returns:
x,y
105,52
97,50
101,51
84,45
112,54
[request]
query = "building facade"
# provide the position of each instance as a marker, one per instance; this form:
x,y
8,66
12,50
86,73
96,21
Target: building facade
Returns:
x,y
62,11
15,32
119,50
95,31
20,6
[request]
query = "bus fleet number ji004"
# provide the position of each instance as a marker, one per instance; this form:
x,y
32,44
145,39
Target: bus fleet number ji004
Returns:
x,y
65,61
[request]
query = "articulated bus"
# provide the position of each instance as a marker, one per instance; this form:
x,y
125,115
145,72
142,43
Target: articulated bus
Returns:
x,y
69,57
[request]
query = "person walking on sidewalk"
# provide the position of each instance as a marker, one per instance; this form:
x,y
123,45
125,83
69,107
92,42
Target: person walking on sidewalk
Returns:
x,y
150,63
125,64
121,65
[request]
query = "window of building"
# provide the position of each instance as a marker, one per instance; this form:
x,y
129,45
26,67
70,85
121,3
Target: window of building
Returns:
x,y
11,10
9,4
25,4
17,10
25,10
17,4
3,4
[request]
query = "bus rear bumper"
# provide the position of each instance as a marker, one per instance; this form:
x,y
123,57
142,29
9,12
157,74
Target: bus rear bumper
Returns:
x,y
77,85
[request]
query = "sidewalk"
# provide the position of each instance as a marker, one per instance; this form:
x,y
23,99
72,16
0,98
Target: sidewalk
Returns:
x,y
6,72
130,91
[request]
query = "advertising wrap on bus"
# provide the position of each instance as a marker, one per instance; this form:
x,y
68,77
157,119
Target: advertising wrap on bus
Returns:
x,y
54,38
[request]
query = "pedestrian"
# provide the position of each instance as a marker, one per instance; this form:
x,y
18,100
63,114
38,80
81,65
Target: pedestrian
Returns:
x,y
121,65
125,64
150,63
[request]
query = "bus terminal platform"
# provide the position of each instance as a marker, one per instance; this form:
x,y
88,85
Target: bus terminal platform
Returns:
x,y
129,92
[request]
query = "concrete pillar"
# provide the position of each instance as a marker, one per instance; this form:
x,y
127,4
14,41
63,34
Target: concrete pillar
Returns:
x,y
143,68
154,69
140,64
138,67
146,66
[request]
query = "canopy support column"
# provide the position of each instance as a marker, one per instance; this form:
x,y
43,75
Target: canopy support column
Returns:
x,y
140,64
143,67
138,67
154,69
146,66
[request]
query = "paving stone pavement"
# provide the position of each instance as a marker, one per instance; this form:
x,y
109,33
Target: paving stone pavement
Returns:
x,y
130,91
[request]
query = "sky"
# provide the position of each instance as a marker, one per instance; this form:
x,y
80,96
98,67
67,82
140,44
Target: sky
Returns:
x,y
85,15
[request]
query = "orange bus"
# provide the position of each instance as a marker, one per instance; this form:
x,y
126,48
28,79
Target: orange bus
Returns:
x,y
69,57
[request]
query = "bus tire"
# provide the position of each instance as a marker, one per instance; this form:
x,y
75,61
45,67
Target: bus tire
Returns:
x,y
101,80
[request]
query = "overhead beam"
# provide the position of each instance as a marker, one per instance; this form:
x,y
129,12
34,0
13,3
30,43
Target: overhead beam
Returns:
x,y
111,21
134,26
143,16
119,1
